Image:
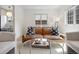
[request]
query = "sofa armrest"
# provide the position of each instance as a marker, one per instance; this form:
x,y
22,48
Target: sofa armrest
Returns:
x,y
62,35
26,38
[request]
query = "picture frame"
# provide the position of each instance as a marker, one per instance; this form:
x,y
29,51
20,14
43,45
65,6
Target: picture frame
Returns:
x,y
41,19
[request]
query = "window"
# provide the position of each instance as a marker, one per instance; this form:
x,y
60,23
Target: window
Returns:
x,y
3,21
77,15
70,17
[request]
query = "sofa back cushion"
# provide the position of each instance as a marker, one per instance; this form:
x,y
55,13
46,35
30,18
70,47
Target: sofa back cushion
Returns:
x,y
46,31
43,30
38,30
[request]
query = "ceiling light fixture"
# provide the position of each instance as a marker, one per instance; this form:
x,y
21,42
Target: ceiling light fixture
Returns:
x,y
9,13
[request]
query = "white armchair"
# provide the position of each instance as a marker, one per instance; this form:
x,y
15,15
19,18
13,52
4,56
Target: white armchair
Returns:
x,y
6,42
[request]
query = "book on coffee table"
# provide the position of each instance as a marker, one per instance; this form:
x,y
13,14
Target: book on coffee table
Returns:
x,y
43,43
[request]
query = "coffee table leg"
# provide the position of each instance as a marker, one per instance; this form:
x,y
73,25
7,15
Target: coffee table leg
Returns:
x,y
63,48
50,46
30,47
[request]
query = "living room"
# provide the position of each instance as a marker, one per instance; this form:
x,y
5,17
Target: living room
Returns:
x,y
39,18
39,29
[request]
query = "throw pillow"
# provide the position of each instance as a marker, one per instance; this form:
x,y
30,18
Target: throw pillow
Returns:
x,y
54,31
30,31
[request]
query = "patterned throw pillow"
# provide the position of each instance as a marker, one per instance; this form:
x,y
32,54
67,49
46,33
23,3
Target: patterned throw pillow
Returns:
x,y
30,31
54,31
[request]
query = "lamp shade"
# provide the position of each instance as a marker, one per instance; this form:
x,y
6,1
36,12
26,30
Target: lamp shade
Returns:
x,y
9,13
57,20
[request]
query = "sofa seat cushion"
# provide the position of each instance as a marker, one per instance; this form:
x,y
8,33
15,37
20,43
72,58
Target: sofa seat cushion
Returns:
x,y
6,46
37,36
52,37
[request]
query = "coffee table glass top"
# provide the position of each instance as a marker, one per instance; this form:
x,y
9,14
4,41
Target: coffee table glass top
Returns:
x,y
41,46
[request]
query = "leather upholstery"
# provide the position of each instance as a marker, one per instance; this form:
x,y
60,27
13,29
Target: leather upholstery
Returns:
x,y
38,30
43,30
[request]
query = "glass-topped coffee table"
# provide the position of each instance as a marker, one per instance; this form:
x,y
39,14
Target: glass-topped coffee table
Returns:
x,y
41,47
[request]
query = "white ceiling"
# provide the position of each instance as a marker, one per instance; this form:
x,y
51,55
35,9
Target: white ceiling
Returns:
x,y
6,7
56,9
52,7
46,6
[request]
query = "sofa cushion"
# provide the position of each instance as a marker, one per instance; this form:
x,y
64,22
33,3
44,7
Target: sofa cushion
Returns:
x,y
30,31
52,37
38,30
46,31
29,37
43,30
37,36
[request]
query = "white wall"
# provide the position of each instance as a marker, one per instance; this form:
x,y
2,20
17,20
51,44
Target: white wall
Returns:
x,y
61,24
19,23
72,28
29,15
19,20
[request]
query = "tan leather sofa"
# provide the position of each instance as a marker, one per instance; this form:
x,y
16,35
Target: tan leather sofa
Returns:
x,y
42,32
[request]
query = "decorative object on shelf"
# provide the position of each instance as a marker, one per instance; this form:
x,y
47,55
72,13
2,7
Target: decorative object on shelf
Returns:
x,y
30,31
41,43
9,14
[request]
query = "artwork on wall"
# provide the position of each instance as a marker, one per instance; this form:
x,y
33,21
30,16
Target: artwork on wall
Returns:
x,y
44,22
41,19
44,16
38,22
37,17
